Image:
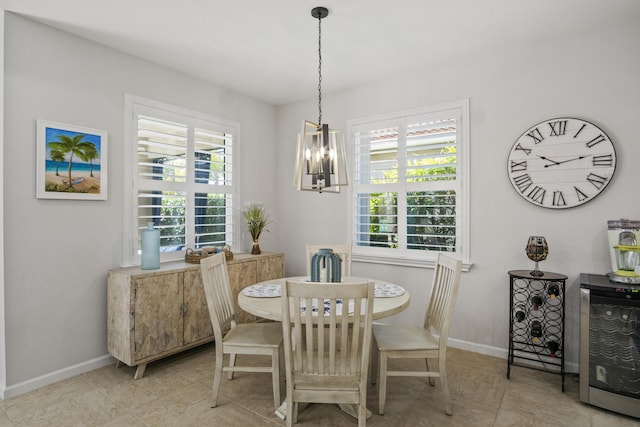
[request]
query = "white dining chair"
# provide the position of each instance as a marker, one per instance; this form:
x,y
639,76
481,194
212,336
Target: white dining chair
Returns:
x,y
327,338
246,338
344,251
407,342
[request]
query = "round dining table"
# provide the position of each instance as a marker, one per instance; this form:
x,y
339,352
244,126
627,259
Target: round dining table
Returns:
x,y
265,302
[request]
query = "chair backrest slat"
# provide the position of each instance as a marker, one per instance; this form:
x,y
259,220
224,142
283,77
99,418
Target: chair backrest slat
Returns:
x,y
217,289
446,280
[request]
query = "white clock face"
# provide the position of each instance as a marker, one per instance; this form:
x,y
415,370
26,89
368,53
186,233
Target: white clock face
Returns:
x,y
561,163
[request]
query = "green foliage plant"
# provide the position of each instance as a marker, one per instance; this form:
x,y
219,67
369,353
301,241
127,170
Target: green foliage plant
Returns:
x,y
257,219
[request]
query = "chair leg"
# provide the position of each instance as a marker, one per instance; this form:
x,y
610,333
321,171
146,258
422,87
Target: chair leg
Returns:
x,y
362,413
445,387
217,375
275,366
432,381
289,418
382,381
292,413
232,363
373,366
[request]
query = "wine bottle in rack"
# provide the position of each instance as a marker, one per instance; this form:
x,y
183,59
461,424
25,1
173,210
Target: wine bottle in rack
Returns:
x,y
536,331
521,313
536,302
553,345
553,290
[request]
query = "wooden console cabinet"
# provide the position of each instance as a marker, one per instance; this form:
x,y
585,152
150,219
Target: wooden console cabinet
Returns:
x,y
152,314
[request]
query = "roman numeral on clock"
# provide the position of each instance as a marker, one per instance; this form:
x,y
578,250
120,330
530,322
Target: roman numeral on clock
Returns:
x,y
536,135
522,182
518,166
597,180
580,194
558,128
527,151
537,194
604,160
598,139
558,199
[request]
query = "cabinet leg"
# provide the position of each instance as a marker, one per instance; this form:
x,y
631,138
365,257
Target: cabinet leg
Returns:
x,y
140,371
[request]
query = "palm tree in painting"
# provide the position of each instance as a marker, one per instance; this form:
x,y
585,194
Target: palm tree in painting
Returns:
x,y
88,154
74,145
57,157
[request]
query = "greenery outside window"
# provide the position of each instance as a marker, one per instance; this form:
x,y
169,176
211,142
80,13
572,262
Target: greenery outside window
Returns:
x,y
410,197
180,178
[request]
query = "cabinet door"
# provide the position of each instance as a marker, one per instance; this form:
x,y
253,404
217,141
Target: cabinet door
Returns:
x,y
157,320
197,322
241,275
270,268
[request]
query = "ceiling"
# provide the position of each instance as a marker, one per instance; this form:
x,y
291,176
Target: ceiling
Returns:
x,y
269,49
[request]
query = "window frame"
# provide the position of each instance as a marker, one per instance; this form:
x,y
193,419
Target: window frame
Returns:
x,y
404,257
135,104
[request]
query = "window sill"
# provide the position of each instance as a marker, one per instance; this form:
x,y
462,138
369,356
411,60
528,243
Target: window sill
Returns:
x,y
403,262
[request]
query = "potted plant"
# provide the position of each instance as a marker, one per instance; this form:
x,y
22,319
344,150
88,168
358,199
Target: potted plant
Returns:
x,y
257,221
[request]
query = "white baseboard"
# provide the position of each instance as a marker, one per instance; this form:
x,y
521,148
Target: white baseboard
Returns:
x,y
54,377
478,348
502,353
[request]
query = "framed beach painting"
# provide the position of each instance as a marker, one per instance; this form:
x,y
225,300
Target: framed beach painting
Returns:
x,y
71,162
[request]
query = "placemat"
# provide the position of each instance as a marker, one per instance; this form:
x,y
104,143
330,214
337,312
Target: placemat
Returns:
x,y
387,290
262,290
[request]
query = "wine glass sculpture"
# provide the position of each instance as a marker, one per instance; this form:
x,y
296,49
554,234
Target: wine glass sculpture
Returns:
x,y
537,250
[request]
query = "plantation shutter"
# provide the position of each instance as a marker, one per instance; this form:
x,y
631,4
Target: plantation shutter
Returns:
x,y
406,183
184,181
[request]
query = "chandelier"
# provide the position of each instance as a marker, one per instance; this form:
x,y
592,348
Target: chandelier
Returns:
x,y
321,159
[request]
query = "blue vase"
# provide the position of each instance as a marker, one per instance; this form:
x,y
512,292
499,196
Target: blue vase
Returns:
x,y
328,262
150,259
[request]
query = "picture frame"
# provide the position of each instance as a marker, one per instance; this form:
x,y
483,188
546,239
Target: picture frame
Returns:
x,y
71,162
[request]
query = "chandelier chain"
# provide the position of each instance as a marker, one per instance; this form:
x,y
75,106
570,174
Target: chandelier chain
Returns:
x,y
319,70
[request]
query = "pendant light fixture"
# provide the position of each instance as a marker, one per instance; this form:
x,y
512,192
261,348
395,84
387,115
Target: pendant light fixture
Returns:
x,y
321,159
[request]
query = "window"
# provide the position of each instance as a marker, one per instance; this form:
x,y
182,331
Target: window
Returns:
x,y
181,167
410,197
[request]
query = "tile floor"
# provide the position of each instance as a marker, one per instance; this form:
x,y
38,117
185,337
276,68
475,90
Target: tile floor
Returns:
x,y
177,392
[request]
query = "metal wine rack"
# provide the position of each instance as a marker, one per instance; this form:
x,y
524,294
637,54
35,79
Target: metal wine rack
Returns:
x,y
536,325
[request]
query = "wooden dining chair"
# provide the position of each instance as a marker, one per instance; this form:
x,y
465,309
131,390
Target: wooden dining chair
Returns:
x,y
245,339
327,337
344,251
406,342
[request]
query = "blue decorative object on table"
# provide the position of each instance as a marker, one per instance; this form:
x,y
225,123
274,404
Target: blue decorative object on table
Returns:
x,y
325,260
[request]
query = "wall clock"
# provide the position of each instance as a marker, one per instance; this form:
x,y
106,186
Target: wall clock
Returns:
x,y
561,163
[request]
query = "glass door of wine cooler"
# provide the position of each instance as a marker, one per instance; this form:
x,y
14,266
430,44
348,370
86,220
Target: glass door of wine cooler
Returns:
x,y
610,348
614,344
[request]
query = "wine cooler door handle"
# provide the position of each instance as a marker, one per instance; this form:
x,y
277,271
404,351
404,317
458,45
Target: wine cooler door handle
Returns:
x,y
584,344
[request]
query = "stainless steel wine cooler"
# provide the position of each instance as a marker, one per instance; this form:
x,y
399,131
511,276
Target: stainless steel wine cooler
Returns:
x,y
610,344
